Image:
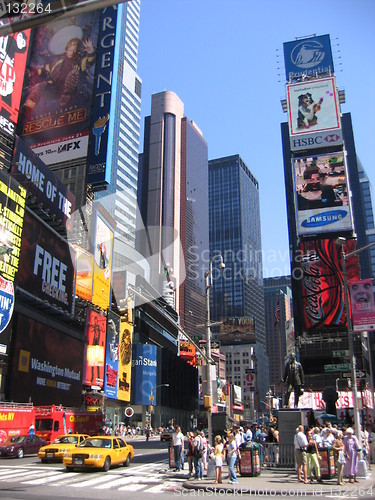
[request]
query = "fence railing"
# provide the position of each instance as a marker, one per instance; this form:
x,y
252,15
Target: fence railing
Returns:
x,y
278,455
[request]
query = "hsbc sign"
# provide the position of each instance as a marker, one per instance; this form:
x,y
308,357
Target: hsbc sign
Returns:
x,y
316,140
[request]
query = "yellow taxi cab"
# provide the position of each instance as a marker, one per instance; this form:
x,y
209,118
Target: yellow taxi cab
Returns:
x,y
99,452
55,450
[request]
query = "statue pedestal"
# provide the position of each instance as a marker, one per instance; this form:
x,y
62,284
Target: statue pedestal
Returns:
x,y
288,420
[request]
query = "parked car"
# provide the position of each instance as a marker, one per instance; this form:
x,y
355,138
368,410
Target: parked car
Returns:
x,y
61,445
166,435
99,452
18,446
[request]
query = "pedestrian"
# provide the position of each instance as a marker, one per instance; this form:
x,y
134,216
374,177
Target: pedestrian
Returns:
x,y
371,441
197,454
178,448
218,455
190,437
313,457
340,457
352,447
232,455
148,433
205,453
300,446
31,430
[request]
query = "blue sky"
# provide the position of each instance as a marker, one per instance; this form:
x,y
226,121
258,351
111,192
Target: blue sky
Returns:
x,y
224,59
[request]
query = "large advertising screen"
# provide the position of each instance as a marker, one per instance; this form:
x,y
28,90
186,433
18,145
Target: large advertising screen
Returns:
x,y
56,98
47,270
237,329
13,56
112,355
144,371
42,183
321,190
313,107
125,360
46,365
308,57
93,372
322,281
84,268
363,305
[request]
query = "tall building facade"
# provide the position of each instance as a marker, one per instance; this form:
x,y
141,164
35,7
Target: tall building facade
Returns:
x,y
237,292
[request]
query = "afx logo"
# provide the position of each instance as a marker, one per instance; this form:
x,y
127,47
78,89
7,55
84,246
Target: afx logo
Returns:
x,y
71,146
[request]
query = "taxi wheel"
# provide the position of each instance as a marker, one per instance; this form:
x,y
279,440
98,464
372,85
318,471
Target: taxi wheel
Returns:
x,y
69,469
107,464
44,461
127,461
20,453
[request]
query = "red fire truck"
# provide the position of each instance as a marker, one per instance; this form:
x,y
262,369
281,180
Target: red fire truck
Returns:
x,y
52,421
15,419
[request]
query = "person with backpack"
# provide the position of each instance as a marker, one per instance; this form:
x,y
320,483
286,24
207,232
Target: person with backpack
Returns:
x,y
198,454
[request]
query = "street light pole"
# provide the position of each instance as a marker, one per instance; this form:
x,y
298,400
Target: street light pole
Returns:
x,y
208,276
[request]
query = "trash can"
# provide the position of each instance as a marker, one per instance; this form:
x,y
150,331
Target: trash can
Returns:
x,y
327,463
250,460
172,463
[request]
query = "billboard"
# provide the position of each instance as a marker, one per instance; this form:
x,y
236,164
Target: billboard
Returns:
x,y
57,94
42,183
102,250
125,360
93,375
322,282
362,305
313,107
47,270
144,368
321,193
235,329
84,268
112,355
46,365
12,210
104,99
13,56
308,57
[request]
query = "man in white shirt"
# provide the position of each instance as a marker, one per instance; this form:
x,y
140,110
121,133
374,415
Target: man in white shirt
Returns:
x,y
300,444
178,448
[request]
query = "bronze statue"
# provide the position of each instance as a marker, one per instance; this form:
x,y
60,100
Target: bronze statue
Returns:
x,y
294,377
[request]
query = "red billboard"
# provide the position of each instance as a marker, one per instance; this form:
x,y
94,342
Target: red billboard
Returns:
x,y
56,98
322,280
96,325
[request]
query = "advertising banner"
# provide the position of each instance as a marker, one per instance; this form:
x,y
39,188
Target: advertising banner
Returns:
x,y
321,193
47,270
308,57
84,268
237,329
104,99
57,94
316,140
322,282
95,350
144,368
313,107
103,256
13,56
112,355
46,365
125,360
42,183
363,305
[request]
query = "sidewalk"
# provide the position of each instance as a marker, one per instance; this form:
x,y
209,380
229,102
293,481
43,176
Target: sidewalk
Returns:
x,y
283,482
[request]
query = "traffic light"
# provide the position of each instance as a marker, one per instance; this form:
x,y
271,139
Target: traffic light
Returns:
x,y
207,402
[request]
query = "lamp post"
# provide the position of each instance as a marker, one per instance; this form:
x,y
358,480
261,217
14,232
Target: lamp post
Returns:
x,y
341,243
151,399
209,282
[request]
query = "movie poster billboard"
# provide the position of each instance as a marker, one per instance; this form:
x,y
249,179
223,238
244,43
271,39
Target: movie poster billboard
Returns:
x,y
93,367
47,270
322,282
321,194
105,99
125,360
57,94
42,183
144,372
112,355
13,56
236,329
12,210
46,366
103,232
313,106
363,305
84,268
308,57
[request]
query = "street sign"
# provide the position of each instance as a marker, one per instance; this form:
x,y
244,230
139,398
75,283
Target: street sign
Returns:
x,y
341,367
340,354
358,374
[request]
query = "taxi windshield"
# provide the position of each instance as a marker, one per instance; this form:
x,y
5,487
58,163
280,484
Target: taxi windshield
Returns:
x,y
96,443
